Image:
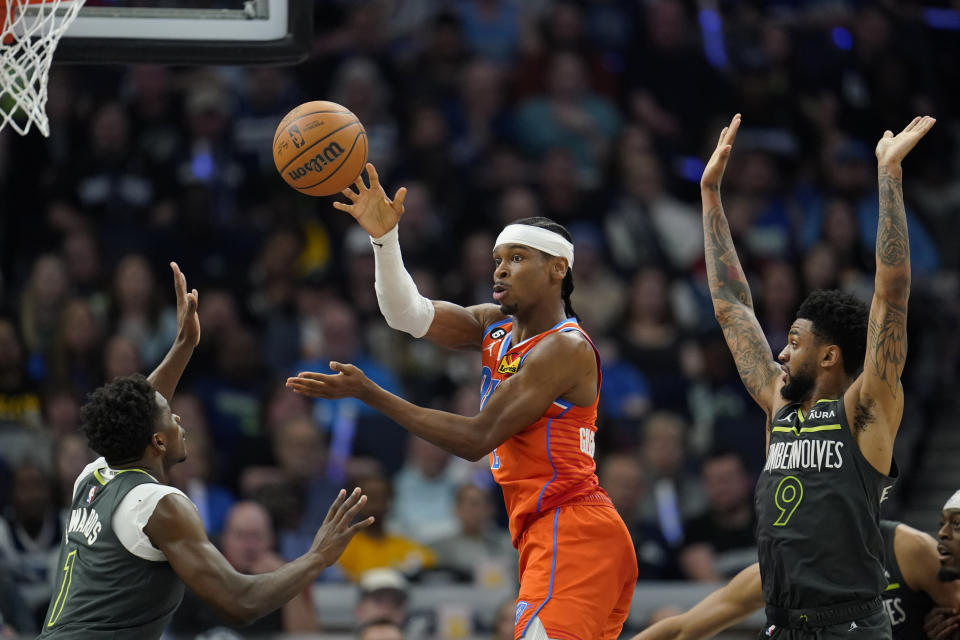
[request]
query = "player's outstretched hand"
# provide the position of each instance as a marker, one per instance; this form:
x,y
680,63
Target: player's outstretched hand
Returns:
x,y
942,623
370,206
188,322
717,164
337,531
348,382
891,149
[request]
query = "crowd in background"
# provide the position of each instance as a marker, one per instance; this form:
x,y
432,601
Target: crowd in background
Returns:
x,y
596,113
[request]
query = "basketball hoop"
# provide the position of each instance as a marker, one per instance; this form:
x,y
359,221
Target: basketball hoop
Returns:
x,y
30,32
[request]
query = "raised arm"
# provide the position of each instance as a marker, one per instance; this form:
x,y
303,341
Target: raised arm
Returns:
x,y
167,374
720,610
877,396
176,529
554,369
732,303
403,307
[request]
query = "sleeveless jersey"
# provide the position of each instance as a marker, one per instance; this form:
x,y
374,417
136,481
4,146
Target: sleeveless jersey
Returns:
x,y
818,511
549,463
906,607
103,591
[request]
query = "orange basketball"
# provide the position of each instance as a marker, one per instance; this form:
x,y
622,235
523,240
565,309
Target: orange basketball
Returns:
x,y
320,148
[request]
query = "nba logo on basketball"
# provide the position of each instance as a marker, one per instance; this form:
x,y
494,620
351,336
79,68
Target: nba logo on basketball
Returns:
x,y
296,136
93,492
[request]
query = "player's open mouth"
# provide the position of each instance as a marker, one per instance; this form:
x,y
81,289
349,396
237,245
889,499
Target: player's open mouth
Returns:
x,y
499,291
786,373
944,553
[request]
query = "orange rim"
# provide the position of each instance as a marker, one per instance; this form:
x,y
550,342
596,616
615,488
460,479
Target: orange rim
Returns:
x,y
7,39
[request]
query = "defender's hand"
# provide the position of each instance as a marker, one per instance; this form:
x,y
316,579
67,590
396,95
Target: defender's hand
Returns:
x,y
713,173
370,206
336,531
349,382
941,623
891,149
188,322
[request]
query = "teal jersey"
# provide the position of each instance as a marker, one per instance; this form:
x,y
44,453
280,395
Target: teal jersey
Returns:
x,y
906,607
103,591
818,512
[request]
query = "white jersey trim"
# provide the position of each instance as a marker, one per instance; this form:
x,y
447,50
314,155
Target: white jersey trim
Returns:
x,y
133,512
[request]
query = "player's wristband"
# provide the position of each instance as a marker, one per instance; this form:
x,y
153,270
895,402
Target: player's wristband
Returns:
x,y
400,303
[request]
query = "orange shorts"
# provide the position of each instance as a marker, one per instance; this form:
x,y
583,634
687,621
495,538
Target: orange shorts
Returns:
x,y
578,571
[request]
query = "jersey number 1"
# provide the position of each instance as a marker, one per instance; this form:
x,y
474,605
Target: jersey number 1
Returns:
x,y
57,608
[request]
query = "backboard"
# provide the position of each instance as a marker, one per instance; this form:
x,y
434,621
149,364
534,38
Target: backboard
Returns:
x,y
189,32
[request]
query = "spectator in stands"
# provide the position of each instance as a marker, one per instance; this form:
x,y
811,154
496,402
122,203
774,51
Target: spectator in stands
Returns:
x,y
120,358
195,475
138,313
301,455
382,596
70,456
647,225
248,545
380,630
61,410
354,428
375,547
676,493
19,401
720,542
623,479
75,356
15,619
424,493
480,551
570,116
30,533
40,305
652,339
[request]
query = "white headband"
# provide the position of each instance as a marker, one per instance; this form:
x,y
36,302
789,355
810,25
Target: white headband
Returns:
x,y
549,242
953,502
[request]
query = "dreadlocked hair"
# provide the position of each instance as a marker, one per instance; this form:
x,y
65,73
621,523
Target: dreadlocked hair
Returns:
x,y
566,287
120,418
839,318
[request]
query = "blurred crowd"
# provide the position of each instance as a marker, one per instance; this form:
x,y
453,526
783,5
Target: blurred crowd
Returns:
x,y
596,113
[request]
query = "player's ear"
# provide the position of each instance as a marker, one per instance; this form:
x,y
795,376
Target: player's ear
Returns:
x,y
559,268
159,441
830,356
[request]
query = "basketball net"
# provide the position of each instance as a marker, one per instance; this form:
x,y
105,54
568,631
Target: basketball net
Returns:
x,y
30,32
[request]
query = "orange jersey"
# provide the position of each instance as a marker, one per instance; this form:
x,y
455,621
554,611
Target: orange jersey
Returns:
x,y
550,463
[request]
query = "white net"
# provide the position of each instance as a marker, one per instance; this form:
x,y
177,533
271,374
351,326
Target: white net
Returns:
x,y
31,31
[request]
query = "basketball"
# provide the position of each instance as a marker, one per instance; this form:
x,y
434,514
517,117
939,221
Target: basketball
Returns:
x,y
320,148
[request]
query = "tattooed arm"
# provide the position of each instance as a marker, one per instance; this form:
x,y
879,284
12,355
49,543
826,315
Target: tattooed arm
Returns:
x,y
877,391
732,303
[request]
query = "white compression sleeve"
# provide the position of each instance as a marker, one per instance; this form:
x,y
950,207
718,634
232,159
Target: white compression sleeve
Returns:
x,y
400,303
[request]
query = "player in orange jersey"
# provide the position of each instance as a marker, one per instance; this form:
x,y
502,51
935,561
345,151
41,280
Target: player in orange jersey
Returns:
x,y
539,393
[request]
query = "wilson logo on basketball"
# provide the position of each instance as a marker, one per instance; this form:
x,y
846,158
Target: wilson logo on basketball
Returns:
x,y
329,153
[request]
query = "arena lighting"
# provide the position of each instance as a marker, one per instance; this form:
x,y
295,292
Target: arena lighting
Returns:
x,y
711,27
842,38
937,18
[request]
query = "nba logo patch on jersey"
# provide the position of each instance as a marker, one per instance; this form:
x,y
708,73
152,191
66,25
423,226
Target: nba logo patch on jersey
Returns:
x,y
521,607
769,631
510,363
93,492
